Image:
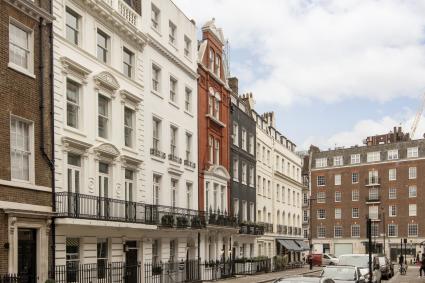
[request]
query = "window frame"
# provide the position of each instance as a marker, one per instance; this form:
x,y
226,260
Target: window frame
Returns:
x,y
31,149
155,22
108,117
132,64
355,158
108,41
411,150
29,70
131,127
72,11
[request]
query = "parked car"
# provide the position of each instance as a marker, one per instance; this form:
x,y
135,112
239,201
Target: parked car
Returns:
x,y
386,266
302,279
362,262
329,259
342,274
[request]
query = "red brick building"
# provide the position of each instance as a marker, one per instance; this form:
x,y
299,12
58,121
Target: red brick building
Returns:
x,y
214,119
383,180
25,138
213,137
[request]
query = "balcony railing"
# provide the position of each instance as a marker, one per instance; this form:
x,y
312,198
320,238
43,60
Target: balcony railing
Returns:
x,y
124,10
373,181
373,198
268,227
190,163
14,278
251,229
75,205
158,153
290,230
174,158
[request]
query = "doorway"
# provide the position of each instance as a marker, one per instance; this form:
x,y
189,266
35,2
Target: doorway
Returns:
x,y
27,255
131,263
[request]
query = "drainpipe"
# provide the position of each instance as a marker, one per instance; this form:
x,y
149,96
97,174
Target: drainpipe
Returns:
x,y
42,109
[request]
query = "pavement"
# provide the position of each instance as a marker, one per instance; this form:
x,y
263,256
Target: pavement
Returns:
x,y
412,276
271,276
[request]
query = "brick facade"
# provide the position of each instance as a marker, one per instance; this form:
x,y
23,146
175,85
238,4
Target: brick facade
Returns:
x,y
208,127
382,200
20,96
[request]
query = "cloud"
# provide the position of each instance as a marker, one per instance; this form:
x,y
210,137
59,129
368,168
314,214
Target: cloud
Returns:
x,y
322,50
365,128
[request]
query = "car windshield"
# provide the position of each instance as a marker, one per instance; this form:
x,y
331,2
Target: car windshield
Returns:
x,y
332,256
382,260
354,260
340,273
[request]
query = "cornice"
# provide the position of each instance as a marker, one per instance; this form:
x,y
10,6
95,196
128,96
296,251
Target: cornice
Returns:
x,y
30,9
161,49
294,182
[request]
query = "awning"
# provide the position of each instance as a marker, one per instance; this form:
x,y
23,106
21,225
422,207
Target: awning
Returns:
x,y
290,245
303,245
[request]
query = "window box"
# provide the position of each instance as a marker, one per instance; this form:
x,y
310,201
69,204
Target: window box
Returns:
x,y
182,222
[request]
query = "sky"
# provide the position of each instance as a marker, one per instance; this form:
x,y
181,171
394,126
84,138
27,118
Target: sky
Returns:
x,y
334,72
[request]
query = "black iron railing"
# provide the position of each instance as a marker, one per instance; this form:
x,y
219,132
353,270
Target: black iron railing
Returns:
x,y
189,163
251,229
75,205
373,181
13,278
268,227
117,272
157,153
175,159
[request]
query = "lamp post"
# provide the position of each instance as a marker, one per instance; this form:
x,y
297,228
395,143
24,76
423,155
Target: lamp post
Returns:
x,y
384,225
310,237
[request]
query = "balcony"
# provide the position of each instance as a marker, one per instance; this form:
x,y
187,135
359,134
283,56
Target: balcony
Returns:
x,y
157,153
372,181
251,229
290,230
374,198
190,164
124,10
174,158
279,229
268,227
75,205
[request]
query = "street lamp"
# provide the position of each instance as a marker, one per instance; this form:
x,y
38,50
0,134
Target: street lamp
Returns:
x,y
310,237
384,225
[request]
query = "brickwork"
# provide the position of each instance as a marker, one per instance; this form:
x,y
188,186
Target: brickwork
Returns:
x,y
206,126
383,184
19,95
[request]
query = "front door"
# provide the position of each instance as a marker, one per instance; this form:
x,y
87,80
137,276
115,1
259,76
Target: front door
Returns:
x,y
131,263
103,190
27,255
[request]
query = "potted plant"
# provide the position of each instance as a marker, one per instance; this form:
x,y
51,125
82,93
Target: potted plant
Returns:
x,y
167,220
196,222
182,222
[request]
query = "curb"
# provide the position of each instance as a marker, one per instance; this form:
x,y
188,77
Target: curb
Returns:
x,y
303,273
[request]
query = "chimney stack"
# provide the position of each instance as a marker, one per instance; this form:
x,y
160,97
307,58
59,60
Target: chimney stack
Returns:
x,y
234,84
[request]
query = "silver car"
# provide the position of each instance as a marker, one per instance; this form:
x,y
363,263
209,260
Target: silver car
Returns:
x,y
343,274
362,262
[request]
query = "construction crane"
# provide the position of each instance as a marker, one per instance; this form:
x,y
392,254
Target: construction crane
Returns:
x,y
417,118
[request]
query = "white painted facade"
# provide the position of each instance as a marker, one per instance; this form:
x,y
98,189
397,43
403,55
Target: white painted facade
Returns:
x,y
172,183
279,188
102,146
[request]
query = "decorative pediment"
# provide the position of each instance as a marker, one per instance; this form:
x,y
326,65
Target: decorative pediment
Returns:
x,y
108,150
126,95
107,81
218,171
130,161
69,66
74,145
